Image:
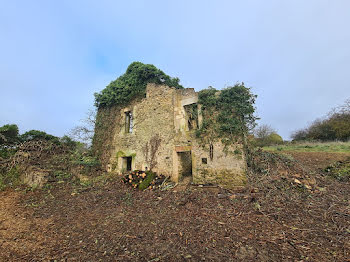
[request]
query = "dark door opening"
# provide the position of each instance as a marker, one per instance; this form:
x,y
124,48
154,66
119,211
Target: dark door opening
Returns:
x,y
127,163
185,164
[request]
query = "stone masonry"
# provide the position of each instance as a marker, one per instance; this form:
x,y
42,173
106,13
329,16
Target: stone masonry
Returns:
x,y
157,133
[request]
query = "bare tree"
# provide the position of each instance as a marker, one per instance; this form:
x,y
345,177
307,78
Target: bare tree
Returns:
x,y
85,131
263,131
299,135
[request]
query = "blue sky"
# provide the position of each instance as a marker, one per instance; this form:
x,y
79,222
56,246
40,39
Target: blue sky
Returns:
x,y
54,55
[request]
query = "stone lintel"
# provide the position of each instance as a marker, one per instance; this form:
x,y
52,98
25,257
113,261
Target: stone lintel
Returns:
x,y
183,148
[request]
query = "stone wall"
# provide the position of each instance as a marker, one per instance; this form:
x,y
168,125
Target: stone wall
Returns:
x,y
151,141
226,168
160,133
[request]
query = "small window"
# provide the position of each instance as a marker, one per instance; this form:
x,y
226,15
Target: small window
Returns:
x,y
192,116
128,122
204,160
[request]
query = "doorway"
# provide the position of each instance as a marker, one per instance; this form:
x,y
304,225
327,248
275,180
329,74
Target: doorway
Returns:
x,y
127,163
184,165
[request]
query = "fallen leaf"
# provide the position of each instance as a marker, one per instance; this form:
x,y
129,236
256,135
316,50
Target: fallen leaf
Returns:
x,y
297,181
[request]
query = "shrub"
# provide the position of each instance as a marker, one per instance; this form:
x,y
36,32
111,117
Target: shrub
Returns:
x,y
8,134
9,178
336,126
39,135
69,142
265,135
6,153
274,139
133,84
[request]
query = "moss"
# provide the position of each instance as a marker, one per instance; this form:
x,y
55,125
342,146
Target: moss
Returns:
x,y
123,154
120,154
150,176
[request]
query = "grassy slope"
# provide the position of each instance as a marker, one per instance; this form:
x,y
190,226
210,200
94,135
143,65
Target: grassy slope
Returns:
x,y
341,147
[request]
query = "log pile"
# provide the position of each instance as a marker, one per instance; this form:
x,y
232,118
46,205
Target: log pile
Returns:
x,y
144,179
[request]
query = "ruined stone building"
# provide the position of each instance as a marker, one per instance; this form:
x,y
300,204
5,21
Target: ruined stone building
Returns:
x,y
158,132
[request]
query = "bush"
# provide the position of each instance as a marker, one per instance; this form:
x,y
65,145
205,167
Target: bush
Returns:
x,y
70,143
133,84
39,135
88,161
6,153
8,134
9,178
336,126
299,135
274,139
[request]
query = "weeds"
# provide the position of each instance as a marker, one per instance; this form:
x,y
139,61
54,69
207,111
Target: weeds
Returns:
x,y
9,179
339,170
61,175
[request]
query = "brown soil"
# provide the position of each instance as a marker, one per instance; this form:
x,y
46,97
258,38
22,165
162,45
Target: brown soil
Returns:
x,y
275,221
318,160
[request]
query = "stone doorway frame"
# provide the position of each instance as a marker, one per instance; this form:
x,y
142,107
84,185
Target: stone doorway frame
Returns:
x,y
176,161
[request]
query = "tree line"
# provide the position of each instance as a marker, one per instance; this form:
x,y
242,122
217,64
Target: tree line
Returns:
x,y
334,127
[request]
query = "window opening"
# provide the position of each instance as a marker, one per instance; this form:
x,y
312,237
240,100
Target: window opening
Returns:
x,y
128,122
211,151
192,116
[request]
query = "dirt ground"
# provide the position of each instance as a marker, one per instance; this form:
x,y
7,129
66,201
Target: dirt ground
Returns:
x,y
276,221
318,160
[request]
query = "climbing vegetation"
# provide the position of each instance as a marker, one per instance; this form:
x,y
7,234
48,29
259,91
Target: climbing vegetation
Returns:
x,y
228,114
132,84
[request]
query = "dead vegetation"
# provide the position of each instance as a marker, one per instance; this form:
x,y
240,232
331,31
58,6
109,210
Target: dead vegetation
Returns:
x,y
288,213
35,153
37,162
32,163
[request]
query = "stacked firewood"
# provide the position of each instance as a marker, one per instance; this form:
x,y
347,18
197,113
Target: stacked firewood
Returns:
x,y
143,179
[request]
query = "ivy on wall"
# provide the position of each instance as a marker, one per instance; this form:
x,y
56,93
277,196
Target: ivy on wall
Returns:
x,y
132,84
228,114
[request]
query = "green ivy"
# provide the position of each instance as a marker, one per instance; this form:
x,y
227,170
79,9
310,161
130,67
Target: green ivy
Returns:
x,y
228,114
132,84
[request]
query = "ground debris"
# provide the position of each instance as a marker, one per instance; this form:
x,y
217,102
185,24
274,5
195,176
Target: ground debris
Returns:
x,y
272,219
